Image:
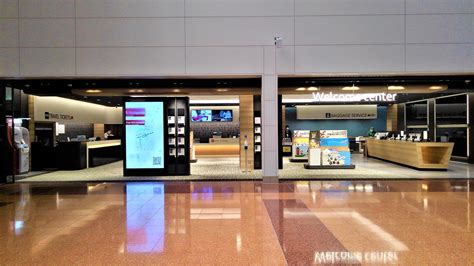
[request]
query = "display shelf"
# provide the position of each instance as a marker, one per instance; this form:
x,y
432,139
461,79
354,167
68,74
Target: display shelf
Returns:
x,y
179,163
181,120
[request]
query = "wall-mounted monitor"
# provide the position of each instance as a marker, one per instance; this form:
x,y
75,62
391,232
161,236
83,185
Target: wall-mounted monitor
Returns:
x,y
204,115
222,115
207,115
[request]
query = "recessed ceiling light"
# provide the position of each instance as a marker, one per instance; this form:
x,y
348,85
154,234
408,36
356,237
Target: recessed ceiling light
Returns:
x,y
93,91
176,90
395,88
301,89
353,88
437,87
313,89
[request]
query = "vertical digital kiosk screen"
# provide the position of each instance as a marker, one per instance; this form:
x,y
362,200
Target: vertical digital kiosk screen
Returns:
x,y
144,126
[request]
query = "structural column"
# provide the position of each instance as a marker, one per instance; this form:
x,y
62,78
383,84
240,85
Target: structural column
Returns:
x,y
270,117
3,136
470,128
246,129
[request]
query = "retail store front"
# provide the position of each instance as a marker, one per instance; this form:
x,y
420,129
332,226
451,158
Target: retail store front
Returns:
x,y
115,130
376,127
212,129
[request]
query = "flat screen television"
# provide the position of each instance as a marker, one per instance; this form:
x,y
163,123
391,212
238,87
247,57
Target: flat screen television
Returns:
x,y
207,115
222,115
204,115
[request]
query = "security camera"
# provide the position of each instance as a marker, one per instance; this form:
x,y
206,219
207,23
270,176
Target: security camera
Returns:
x,y
278,42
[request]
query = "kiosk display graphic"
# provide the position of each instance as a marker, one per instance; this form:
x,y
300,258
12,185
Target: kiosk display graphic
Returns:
x,y
300,144
144,126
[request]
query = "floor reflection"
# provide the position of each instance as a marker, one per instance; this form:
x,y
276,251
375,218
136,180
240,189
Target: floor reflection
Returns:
x,y
145,201
303,222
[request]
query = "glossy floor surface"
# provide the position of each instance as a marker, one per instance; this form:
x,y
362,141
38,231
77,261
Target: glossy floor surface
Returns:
x,y
228,169
238,223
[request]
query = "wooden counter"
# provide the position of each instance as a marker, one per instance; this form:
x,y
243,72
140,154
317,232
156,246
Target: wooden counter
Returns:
x,y
110,149
420,155
216,150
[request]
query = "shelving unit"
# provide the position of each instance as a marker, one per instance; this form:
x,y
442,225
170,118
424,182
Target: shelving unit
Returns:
x,y
257,132
178,139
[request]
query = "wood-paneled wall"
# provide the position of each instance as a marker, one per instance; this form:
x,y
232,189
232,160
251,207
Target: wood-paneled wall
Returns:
x,y
392,118
31,115
283,119
246,128
99,130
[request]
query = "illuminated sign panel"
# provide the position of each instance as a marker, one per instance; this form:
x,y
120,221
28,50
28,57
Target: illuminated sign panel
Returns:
x,y
354,97
144,125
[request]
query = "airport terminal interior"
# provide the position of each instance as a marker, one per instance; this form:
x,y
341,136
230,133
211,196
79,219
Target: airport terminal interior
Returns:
x,y
404,128
371,171
236,132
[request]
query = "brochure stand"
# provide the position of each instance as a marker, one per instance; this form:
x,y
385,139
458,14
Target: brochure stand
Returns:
x,y
257,133
329,149
300,146
178,136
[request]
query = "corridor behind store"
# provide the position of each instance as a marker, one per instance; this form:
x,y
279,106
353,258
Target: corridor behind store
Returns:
x,y
298,223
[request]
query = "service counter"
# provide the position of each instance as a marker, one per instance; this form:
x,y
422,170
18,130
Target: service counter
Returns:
x,y
103,152
419,155
80,155
218,147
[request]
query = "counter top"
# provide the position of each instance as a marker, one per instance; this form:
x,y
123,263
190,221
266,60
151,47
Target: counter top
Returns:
x,y
419,155
217,149
103,143
93,145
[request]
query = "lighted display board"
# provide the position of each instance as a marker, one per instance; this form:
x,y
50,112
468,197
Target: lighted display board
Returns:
x,y
144,131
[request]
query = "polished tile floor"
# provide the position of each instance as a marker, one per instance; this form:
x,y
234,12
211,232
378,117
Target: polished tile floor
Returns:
x,y
235,223
228,169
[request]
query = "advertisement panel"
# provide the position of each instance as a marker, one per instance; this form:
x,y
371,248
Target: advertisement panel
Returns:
x,y
300,144
144,126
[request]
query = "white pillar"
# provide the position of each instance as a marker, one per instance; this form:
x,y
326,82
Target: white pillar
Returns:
x,y
270,117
